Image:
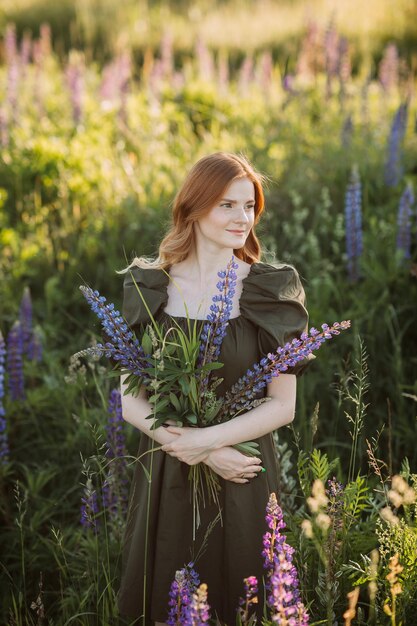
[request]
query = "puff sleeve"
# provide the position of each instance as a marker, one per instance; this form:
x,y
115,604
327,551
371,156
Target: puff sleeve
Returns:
x,y
273,299
153,286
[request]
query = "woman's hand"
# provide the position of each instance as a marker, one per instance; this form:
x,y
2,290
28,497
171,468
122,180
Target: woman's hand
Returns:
x,y
232,465
192,445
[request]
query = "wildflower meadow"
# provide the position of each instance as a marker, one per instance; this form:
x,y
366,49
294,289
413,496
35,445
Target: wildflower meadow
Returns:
x,y
95,139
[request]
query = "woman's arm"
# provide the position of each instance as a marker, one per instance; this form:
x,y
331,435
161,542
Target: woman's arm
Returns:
x,y
135,409
227,462
194,445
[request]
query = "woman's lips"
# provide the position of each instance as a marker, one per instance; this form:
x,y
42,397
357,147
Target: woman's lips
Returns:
x,y
237,232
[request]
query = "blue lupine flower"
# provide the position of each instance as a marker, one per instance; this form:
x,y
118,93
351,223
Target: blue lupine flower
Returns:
x,y
214,329
32,346
15,362
393,163
4,442
181,594
244,391
353,225
388,68
282,584
404,222
115,490
122,346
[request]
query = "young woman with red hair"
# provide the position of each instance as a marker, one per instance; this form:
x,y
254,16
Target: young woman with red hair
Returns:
x,y
214,215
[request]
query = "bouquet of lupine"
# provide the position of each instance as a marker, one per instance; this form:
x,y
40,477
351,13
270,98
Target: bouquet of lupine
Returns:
x,y
178,367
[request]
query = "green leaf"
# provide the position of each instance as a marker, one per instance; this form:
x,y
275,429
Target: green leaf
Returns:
x,y
185,387
175,402
147,343
191,418
211,366
250,448
161,404
193,390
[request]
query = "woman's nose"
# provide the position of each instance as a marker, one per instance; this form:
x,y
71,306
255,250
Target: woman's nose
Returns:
x,y
242,216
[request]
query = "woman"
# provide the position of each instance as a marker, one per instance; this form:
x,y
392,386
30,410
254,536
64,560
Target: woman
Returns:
x,y
214,216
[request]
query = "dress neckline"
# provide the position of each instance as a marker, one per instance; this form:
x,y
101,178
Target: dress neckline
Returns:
x,y
200,319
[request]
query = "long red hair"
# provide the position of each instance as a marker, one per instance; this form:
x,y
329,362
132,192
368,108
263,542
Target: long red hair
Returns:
x,y
203,187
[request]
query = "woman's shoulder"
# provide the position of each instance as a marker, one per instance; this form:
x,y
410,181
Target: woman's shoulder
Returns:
x,y
143,288
273,300
148,275
279,280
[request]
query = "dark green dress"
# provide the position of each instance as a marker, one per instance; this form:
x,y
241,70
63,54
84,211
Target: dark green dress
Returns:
x,y
271,313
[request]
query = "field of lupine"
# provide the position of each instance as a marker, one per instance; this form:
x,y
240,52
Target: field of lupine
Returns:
x,y
90,161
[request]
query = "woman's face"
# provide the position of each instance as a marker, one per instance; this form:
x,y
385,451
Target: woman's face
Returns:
x,y
229,222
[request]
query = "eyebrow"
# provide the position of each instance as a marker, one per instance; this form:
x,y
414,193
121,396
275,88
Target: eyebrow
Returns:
x,y
234,201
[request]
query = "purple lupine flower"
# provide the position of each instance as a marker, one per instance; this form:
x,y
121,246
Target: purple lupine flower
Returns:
x,y
245,74
388,68
13,77
122,346
309,61
13,72
214,329
265,71
10,45
282,584
89,507
32,346
25,50
200,609
331,55
25,318
223,73
251,597
244,391
4,442
404,222
353,225
167,54
393,163
45,39
114,86
74,74
288,83
15,362
344,67
205,60
115,491
181,593
38,94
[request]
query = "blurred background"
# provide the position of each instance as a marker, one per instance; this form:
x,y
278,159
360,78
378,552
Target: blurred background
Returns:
x,y
104,107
